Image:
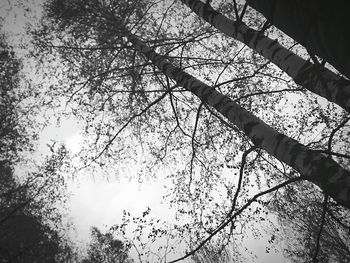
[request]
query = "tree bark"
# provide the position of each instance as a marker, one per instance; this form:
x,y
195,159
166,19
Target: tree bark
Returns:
x,y
320,26
313,166
315,78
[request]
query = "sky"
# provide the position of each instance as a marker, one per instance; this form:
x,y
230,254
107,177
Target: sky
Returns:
x,y
100,201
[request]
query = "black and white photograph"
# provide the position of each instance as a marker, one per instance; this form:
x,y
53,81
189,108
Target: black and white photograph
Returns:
x,y
163,131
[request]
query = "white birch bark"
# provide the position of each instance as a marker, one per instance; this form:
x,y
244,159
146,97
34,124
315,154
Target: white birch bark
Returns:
x,y
315,78
313,166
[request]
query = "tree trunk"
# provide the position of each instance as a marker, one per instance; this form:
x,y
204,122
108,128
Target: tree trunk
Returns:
x,y
313,166
315,78
320,26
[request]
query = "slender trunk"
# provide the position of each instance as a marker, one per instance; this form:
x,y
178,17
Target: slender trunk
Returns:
x,y
313,166
317,25
313,77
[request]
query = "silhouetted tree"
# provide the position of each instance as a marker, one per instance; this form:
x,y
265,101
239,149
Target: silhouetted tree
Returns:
x,y
106,248
27,205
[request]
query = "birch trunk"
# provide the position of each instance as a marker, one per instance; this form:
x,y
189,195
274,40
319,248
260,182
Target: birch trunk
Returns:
x,y
315,78
317,25
313,166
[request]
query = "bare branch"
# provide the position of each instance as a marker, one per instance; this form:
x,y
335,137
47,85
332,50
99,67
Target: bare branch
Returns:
x,y
193,144
126,125
237,213
341,125
240,180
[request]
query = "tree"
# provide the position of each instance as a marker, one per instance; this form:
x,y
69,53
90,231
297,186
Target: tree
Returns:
x,y
316,231
28,204
30,216
296,155
24,238
311,76
103,62
105,248
316,25
211,254
12,133
312,166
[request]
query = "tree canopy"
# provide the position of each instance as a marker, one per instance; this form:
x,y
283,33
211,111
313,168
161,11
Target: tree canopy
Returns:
x,y
105,248
241,122
30,215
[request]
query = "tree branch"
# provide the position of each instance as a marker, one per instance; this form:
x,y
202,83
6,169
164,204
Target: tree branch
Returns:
x,y
321,228
237,213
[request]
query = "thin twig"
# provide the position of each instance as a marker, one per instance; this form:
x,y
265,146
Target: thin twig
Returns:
x,y
240,180
193,139
341,125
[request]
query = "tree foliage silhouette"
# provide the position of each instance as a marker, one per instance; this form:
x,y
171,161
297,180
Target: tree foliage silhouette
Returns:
x,y
105,248
27,204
